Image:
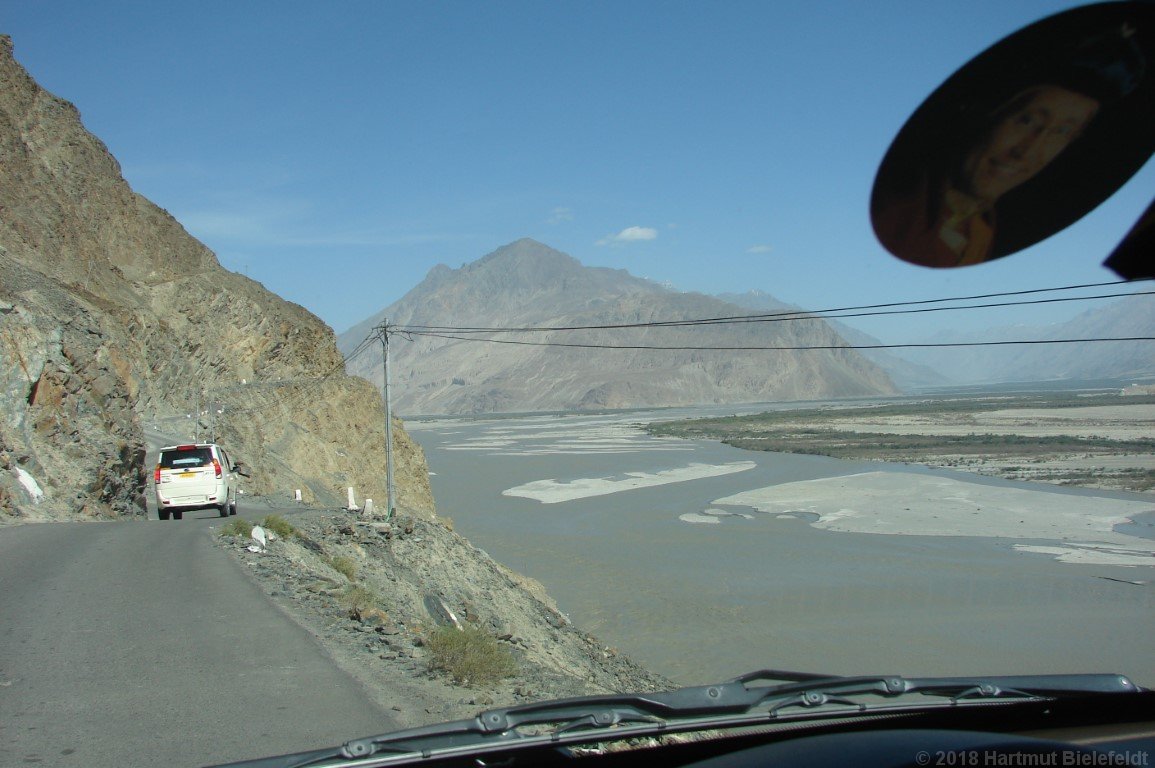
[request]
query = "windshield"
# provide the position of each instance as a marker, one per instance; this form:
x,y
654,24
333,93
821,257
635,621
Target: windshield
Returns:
x,y
569,349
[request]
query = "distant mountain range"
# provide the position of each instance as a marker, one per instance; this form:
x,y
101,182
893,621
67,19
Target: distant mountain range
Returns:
x,y
527,284
1133,316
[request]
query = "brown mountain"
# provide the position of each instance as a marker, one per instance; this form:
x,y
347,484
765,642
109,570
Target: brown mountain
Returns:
x,y
905,374
113,320
529,284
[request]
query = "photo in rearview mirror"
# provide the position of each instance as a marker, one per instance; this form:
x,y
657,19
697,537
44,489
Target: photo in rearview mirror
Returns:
x,y
1023,140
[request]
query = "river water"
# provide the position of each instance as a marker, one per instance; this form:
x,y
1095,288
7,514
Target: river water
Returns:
x,y
634,538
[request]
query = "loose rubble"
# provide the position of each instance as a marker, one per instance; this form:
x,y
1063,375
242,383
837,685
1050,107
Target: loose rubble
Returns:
x,y
421,573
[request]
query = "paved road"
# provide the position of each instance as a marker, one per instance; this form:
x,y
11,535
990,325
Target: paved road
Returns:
x,y
142,643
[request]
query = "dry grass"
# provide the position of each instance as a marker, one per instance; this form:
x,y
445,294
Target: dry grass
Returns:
x,y
344,566
359,599
470,656
238,526
279,526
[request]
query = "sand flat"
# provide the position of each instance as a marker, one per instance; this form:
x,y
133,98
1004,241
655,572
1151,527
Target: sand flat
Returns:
x,y
905,503
554,492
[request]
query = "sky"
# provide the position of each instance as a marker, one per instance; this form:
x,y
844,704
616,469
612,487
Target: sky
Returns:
x,y
337,151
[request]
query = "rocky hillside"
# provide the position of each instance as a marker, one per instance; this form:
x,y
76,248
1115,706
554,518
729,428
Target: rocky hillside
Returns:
x,y
527,283
113,318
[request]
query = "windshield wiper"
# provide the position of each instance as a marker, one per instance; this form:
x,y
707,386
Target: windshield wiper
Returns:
x,y
741,701
808,691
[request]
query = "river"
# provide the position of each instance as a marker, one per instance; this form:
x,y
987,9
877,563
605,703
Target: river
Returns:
x,y
647,543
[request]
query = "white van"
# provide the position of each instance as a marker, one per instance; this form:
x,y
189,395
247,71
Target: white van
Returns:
x,y
195,476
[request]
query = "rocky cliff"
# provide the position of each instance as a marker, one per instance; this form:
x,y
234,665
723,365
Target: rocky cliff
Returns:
x,y
114,319
529,284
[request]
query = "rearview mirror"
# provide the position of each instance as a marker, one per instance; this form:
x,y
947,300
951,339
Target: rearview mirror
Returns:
x,y
1022,141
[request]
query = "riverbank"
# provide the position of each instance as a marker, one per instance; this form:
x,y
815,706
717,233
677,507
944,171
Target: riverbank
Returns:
x,y
1095,441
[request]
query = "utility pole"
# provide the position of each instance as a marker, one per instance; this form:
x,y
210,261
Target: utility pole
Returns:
x,y
215,410
383,331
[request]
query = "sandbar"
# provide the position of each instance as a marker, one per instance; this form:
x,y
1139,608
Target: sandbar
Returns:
x,y
910,504
554,491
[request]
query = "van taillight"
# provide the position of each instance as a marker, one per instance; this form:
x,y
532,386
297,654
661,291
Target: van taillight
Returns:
x,y
156,474
216,468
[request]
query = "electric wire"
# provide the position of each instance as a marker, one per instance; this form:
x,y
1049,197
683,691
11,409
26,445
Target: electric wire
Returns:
x,y
866,310
310,385
800,348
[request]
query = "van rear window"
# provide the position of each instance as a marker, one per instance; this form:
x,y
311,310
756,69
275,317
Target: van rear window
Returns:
x,y
188,459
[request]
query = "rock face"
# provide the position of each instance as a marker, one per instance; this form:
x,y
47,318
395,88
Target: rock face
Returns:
x,y
527,283
114,319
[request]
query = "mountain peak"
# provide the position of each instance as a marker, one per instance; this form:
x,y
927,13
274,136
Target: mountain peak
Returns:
x,y
525,251
527,243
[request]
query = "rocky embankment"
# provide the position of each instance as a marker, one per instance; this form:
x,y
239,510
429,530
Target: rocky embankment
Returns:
x,y
417,573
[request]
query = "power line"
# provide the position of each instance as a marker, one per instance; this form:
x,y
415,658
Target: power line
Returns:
x,y
752,348
309,385
859,311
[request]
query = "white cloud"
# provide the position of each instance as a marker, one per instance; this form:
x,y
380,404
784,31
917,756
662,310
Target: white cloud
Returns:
x,y
560,215
630,235
762,248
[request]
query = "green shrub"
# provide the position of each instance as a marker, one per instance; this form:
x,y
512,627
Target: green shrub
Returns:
x,y
470,656
238,526
343,565
279,526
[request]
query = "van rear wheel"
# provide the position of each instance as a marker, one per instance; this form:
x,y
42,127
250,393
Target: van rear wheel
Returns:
x,y
178,514
223,509
163,514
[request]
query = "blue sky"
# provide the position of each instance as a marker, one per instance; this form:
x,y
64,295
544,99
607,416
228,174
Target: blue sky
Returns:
x,y
336,151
